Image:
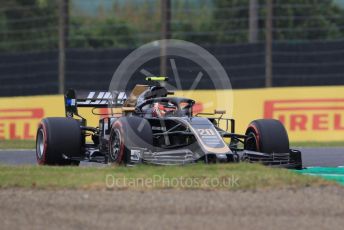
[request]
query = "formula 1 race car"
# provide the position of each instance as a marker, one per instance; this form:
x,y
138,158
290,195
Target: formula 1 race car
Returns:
x,y
154,128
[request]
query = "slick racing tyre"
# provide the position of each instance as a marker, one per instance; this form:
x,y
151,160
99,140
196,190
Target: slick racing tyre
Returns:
x,y
267,136
126,133
58,136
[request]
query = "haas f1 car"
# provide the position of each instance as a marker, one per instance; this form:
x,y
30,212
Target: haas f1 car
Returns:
x,y
150,126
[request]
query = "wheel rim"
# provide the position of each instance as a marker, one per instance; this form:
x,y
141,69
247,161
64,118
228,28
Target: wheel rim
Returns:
x,y
115,145
251,142
40,143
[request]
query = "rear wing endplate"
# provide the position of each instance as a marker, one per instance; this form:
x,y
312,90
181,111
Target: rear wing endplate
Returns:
x,y
92,99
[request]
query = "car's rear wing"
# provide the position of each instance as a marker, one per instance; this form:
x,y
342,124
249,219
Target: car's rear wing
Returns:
x,y
92,99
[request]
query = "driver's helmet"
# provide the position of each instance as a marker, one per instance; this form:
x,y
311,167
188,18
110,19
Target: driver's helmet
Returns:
x,y
162,109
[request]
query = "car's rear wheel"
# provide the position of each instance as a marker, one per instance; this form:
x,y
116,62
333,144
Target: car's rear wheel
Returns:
x,y
126,134
56,137
267,136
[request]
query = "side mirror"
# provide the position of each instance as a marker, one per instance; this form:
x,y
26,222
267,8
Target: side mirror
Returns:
x,y
217,111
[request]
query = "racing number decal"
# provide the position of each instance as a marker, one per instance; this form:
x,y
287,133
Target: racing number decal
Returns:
x,y
206,132
210,139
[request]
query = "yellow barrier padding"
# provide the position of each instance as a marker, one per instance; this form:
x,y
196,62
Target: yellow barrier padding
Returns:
x,y
308,113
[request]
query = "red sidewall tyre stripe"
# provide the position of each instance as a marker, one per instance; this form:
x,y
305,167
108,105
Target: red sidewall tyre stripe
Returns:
x,y
251,126
119,126
43,159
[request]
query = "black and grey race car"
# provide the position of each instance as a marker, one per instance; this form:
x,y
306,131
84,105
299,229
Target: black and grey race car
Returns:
x,y
156,128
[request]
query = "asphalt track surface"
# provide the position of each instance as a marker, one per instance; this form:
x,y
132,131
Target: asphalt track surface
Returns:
x,y
324,157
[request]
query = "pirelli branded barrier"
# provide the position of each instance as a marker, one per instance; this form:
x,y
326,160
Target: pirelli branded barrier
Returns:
x,y
309,114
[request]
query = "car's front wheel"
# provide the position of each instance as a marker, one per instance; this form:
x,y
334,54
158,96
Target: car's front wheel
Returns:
x,y
267,136
126,134
117,147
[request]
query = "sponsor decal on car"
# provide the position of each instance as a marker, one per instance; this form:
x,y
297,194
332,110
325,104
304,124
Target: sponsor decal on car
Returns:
x,y
102,98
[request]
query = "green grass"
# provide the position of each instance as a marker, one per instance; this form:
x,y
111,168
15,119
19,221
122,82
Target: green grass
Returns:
x,y
199,176
30,144
318,144
17,144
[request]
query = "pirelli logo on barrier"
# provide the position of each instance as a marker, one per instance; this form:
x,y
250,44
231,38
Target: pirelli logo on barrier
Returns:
x,y
19,123
307,114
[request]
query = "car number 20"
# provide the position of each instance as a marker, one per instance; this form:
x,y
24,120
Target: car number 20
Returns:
x,y
206,132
